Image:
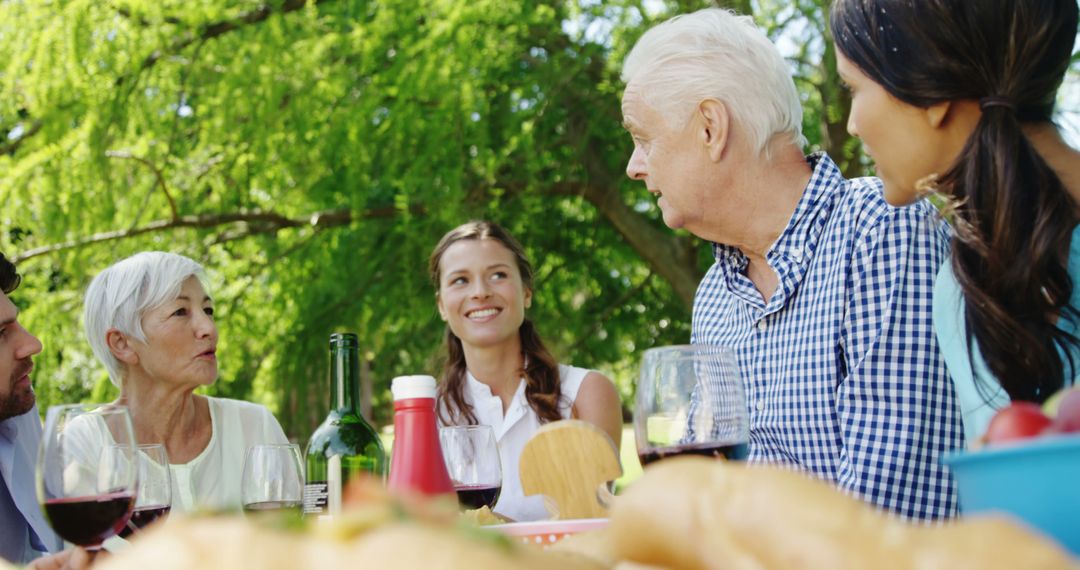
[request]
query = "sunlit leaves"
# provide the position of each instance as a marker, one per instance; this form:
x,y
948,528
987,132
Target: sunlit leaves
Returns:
x,y
411,116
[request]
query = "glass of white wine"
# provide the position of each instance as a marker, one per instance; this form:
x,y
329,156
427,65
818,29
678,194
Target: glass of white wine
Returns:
x,y
273,479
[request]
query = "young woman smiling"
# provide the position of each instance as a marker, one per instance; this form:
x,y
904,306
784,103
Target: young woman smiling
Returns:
x,y
498,371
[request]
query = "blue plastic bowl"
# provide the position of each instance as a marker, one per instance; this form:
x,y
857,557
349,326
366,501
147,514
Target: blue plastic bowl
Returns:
x,y
1037,481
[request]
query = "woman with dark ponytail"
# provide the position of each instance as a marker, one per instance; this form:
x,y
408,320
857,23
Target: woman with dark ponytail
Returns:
x,y
498,371
956,97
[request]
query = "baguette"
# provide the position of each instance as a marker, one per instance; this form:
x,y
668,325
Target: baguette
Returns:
x,y
699,514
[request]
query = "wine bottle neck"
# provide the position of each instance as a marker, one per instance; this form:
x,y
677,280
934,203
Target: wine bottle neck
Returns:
x,y
344,378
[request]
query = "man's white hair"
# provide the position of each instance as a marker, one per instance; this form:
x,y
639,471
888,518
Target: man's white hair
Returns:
x,y
120,295
716,54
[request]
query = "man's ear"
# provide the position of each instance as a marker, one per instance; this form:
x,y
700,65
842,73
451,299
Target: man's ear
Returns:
x,y
715,122
938,113
121,347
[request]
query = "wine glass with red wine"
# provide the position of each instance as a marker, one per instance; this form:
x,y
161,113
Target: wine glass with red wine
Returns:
x,y
472,460
86,472
273,479
154,489
690,401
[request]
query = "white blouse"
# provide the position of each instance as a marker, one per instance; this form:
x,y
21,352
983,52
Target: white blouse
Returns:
x,y
210,481
513,430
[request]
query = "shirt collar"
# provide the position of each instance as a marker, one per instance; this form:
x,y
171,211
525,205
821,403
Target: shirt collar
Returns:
x,y
791,253
803,226
800,236
9,440
488,407
9,431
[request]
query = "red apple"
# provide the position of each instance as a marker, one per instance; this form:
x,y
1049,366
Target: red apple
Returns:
x,y
1020,420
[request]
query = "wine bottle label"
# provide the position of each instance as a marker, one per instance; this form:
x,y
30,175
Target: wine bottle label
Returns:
x,y
333,474
316,497
324,497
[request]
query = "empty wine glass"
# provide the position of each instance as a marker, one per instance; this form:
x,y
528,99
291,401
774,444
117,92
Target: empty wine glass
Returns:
x,y
86,471
154,495
273,479
690,400
472,460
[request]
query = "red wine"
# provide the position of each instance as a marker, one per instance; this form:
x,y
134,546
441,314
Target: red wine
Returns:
x,y
476,496
87,521
725,450
273,506
143,516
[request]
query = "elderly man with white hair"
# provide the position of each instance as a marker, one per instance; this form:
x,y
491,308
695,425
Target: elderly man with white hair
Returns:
x,y
150,321
820,286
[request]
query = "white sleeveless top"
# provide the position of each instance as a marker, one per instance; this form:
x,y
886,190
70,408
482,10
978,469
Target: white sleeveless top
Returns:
x,y
513,430
210,481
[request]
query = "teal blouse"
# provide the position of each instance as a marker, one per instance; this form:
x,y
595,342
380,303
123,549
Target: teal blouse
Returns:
x,y
951,332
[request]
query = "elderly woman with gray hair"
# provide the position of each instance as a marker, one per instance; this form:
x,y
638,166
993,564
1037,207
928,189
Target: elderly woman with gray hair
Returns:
x,y
150,320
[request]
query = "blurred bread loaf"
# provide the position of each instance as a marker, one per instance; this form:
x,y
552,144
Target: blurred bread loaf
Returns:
x,y
697,513
228,543
595,545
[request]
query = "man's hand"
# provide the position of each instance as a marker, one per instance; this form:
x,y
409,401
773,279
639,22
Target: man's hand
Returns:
x,y
70,559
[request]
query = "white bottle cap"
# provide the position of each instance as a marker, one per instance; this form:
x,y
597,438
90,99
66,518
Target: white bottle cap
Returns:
x,y
406,387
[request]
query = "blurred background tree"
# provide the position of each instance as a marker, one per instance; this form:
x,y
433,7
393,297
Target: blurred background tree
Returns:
x,y
311,153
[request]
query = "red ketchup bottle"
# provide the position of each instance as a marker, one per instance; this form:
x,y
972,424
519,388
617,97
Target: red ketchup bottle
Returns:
x,y
417,464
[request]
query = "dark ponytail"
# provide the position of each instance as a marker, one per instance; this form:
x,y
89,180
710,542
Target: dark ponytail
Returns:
x,y
1010,256
541,371
1014,217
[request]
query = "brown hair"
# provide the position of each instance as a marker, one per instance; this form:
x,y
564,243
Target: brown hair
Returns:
x,y
9,278
1014,216
541,372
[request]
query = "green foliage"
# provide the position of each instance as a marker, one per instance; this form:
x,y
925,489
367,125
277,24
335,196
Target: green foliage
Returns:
x,y
396,120
311,153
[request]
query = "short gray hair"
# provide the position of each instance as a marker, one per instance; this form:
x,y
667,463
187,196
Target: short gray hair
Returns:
x,y
121,294
714,53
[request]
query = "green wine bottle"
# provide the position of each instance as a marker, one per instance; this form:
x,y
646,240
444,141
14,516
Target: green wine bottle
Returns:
x,y
344,445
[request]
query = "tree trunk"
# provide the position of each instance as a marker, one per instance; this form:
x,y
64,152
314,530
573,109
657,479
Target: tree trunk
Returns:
x,y
672,257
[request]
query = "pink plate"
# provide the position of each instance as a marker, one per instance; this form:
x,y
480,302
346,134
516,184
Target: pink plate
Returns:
x,y
544,533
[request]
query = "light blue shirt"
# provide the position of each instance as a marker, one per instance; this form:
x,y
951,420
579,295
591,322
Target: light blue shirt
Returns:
x,y
26,534
979,402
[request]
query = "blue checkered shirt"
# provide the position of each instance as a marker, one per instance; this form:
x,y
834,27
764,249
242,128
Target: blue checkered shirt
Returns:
x,y
841,367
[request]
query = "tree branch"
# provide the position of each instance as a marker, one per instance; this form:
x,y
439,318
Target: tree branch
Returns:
x,y
215,29
143,21
157,174
208,31
256,222
13,145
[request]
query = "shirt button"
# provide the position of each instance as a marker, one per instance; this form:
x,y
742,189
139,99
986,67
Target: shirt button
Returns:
x,y
761,325
760,405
